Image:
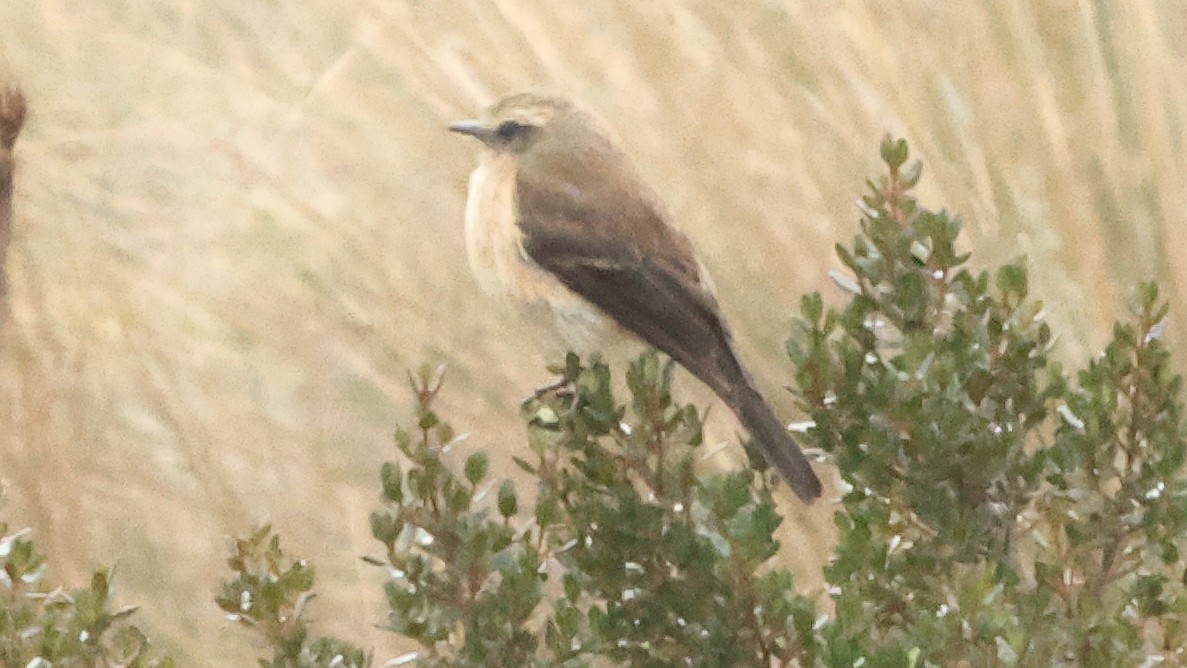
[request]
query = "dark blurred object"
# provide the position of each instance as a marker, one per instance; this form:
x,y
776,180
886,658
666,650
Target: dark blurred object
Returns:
x,y
12,116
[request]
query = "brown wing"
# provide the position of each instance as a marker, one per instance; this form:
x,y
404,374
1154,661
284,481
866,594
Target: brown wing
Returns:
x,y
615,250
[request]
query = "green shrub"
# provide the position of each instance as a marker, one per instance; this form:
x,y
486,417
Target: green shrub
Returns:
x,y
997,513
269,595
44,625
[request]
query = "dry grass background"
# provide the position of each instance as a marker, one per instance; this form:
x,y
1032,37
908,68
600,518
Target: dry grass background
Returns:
x,y
239,223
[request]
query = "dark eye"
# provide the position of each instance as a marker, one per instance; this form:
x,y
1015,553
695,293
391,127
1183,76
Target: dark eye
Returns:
x,y
507,130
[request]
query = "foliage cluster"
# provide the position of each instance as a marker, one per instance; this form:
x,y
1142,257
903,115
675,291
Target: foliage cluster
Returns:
x,y
997,511
44,625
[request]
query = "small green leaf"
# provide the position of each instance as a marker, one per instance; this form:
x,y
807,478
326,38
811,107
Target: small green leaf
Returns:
x,y
393,482
476,467
1011,280
428,420
547,511
457,496
524,465
508,504
812,306
384,527
572,588
568,620
894,152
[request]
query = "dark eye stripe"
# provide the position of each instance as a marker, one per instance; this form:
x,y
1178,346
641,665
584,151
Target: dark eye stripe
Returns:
x,y
508,129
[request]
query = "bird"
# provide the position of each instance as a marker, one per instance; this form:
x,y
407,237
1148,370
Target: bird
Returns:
x,y
557,214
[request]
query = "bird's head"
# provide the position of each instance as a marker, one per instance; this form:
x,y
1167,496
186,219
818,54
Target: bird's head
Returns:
x,y
560,148
521,122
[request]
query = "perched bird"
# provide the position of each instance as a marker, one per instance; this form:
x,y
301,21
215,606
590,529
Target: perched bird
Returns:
x,y
558,214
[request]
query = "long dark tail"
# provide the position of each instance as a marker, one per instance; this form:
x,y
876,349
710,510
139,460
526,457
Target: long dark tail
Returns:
x,y
720,369
777,446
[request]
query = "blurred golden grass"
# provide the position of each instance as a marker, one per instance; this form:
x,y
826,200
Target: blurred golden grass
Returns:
x,y
238,224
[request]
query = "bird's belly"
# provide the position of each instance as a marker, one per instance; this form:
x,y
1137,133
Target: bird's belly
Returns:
x,y
494,246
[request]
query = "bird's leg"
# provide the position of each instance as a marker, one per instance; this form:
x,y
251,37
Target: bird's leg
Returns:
x,y
568,373
551,387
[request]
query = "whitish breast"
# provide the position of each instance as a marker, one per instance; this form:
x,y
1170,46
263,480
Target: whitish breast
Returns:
x,y
494,246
